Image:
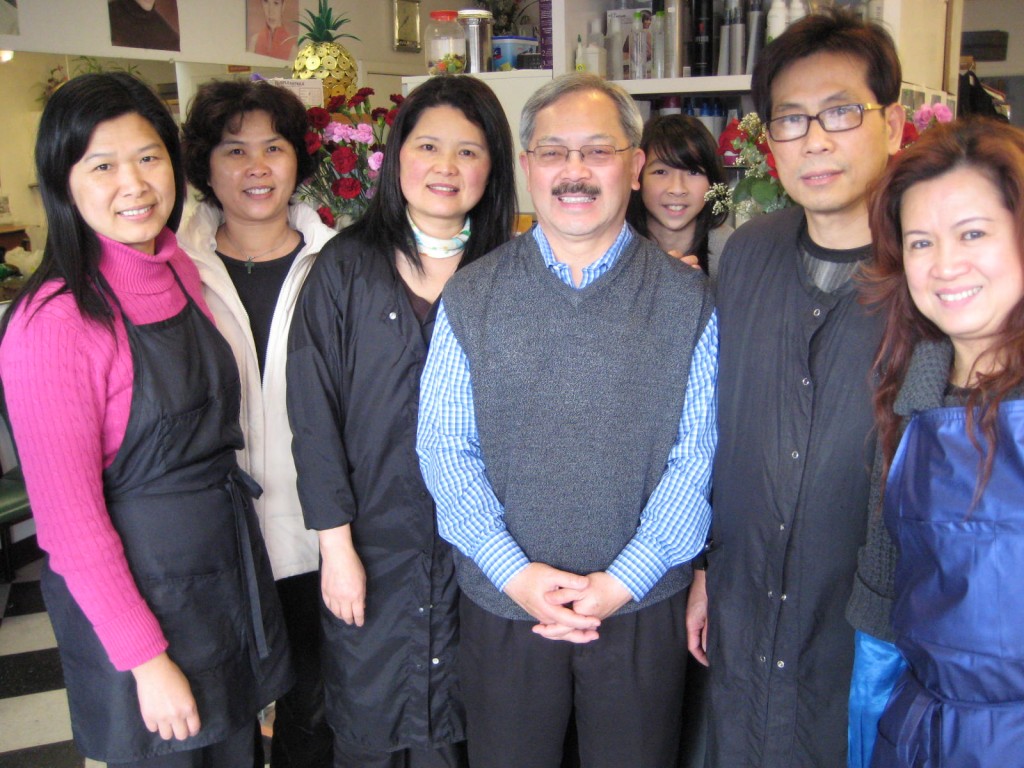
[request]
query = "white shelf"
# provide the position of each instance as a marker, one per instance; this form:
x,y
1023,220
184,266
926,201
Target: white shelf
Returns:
x,y
687,85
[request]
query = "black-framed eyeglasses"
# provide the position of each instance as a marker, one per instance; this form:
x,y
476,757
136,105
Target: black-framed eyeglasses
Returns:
x,y
591,154
834,120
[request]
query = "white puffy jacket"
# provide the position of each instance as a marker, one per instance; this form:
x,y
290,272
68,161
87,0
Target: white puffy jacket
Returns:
x,y
267,455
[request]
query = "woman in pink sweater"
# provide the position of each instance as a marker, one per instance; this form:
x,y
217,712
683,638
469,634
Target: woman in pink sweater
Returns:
x,y
123,400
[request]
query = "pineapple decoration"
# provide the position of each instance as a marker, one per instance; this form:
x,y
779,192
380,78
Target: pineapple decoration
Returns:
x,y
321,56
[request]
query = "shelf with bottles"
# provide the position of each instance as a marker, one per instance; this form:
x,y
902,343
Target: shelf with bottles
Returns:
x,y
573,20
928,42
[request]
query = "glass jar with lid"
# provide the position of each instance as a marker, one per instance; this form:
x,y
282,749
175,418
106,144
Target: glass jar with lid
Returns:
x,y
445,44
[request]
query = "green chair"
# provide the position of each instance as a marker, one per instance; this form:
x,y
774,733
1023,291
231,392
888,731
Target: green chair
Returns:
x,y
14,508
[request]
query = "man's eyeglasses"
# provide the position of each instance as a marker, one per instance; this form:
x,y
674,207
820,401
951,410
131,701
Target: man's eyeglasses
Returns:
x,y
834,120
592,154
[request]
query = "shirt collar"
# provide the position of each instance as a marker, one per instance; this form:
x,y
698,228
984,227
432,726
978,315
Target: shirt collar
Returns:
x,y
591,272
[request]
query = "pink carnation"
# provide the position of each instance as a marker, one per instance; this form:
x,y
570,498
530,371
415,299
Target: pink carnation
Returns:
x,y
923,117
942,113
335,131
363,133
375,161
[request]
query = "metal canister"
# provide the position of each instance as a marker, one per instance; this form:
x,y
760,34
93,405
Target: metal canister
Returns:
x,y
479,53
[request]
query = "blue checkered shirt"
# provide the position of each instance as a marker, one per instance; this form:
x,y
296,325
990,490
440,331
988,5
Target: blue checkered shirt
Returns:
x,y
674,524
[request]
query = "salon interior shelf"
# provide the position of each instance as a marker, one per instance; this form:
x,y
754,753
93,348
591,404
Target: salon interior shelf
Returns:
x,y
688,85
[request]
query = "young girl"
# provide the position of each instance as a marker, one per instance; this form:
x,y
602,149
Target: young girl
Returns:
x,y
948,226
682,164
123,399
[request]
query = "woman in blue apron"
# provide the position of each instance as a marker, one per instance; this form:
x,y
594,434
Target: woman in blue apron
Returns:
x,y
948,227
124,401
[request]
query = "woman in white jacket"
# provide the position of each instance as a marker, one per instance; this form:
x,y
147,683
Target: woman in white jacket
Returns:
x,y
245,153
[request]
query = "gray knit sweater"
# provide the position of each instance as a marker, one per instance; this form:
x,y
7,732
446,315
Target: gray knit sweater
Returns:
x,y
577,396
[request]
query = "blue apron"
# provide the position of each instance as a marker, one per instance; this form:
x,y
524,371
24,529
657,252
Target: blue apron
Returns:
x,y
183,510
959,610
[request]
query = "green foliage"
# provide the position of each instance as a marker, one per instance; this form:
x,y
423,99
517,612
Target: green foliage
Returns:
x,y
323,26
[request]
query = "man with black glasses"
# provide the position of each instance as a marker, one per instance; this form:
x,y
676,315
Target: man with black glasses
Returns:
x,y
566,431
794,398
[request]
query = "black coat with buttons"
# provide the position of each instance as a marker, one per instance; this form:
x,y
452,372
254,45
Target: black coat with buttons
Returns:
x,y
355,356
791,480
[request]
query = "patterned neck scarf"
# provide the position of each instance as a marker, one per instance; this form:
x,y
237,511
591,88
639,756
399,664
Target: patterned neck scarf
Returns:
x,y
439,247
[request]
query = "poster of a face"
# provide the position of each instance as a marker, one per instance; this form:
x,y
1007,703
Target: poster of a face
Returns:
x,y
9,17
272,27
144,24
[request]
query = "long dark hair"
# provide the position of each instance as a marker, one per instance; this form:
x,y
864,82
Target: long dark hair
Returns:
x,y
682,142
996,150
72,251
384,225
221,106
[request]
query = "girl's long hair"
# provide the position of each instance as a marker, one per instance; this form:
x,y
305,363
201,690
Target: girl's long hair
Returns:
x,y
995,150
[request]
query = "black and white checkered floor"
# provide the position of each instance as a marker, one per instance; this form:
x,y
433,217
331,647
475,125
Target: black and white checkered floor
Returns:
x,y
35,728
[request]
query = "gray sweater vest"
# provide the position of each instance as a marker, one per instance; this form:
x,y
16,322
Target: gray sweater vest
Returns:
x,y
578,396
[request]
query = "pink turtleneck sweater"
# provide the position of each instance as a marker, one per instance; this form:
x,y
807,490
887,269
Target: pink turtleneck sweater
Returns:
x,y
68,383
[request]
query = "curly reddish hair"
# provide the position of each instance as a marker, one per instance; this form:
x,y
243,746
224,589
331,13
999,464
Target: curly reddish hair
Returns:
x,y
996,150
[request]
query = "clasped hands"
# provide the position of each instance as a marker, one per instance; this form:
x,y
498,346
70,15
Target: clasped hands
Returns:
x,y
567,606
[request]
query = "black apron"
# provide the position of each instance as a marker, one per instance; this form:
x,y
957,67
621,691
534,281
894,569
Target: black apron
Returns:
x,y
183,510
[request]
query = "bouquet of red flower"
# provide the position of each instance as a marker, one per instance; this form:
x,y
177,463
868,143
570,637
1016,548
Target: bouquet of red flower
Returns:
x,y
347,138
744,144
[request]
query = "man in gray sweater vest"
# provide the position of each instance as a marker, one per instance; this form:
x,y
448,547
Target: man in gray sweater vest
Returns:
x,y
567,429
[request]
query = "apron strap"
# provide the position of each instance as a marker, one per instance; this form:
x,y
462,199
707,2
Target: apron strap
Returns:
x,y
242,489
922,725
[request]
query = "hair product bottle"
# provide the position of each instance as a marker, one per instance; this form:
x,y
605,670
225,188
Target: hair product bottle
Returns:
x,y
702,21
777,15
638,48
658,45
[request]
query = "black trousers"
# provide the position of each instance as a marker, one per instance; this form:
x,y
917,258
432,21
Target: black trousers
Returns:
x,y
449,756
302,738
624,690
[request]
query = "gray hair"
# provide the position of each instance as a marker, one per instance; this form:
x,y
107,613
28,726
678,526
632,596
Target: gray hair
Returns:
x,y
575,82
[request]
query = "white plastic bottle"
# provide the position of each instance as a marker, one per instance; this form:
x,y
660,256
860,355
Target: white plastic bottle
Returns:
x,y
875,10
797,10
777,15
614,44
597,60
638,48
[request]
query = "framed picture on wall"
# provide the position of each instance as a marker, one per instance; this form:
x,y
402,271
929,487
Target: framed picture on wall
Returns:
x,y
407,25
144,24
272,27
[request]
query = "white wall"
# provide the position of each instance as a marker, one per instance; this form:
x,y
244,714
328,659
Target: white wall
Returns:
x,y
212,31
1006,15
53,32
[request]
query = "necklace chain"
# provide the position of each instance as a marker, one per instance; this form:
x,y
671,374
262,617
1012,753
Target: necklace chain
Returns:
x,y
251,259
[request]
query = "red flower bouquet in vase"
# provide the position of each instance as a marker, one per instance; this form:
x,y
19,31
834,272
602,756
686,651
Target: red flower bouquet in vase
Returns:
x,y
347,138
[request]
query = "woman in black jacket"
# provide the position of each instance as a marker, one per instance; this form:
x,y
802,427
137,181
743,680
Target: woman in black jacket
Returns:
x,y
359,339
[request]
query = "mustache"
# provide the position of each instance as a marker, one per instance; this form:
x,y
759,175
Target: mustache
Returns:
x,y
575,188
